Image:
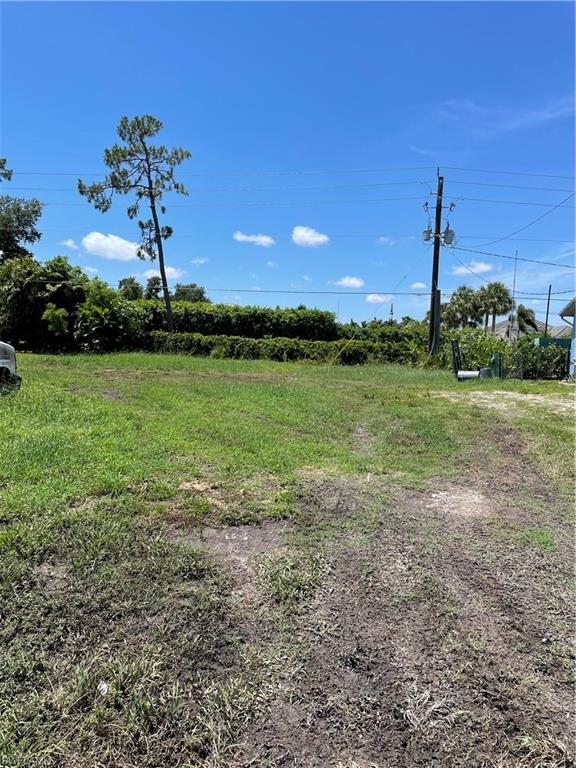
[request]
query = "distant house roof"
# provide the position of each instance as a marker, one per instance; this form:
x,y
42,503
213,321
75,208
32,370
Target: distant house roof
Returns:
x,y
554,331
568,310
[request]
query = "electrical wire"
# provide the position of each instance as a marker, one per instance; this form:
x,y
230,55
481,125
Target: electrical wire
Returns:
x,y
470,270
513,258
509,173
268,203
531,223
504,186
332,171
250,189
221,174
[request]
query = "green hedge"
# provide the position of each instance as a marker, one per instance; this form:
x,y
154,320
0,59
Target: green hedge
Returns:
x,y
230,320
342,352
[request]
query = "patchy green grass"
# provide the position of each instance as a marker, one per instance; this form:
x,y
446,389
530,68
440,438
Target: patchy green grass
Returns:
x,y
120,647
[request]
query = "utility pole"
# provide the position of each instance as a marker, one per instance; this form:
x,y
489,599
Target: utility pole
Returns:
x,y
432,335
391,317
547,310
512,316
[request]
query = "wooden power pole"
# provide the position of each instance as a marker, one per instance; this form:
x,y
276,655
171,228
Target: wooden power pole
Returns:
x,y
547,310
432,334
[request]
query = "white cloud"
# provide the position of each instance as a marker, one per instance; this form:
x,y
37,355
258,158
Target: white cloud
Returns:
x,y
386,240
308,237
423,151
306,278
69,243
474,266
271,264
199,261
350,282
418,285
110,247
265,241
378,298
489,121
91,270
172,273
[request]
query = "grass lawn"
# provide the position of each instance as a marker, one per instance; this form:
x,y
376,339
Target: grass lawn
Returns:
x,y
218,563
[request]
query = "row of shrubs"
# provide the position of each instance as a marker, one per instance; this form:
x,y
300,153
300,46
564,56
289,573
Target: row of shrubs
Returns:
x,y
520,360
344,352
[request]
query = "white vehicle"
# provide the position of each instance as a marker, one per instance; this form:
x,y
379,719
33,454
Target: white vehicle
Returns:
x,y
9,378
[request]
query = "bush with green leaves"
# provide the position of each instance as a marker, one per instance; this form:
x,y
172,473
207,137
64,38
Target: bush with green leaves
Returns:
x,y
521,359
477,346
342,352
527,361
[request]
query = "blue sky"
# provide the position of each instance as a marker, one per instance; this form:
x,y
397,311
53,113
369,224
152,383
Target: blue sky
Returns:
x,y
291,111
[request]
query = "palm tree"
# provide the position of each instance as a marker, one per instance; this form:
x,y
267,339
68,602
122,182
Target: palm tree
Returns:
x,y
525,318
495,299
464,308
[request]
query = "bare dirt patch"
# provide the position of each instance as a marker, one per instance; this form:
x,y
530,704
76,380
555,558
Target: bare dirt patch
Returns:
x,y
461,502
323,497
237,545
510,402
414,656
53,576
211,493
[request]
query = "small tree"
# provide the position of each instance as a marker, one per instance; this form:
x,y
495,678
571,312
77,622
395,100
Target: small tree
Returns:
x,y
146,171
191,292
18,218
5,173
130,288
153,286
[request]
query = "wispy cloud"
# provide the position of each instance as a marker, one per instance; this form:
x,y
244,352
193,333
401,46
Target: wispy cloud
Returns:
x,y
350,282
480,267
306,279
379,298
172,273
199,261
418,286
264,241
110,247
69,243
271,264
91,270
308,237
423,152
387,240
486,122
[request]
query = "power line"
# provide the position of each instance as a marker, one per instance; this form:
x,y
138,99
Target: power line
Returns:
x,y
250,189
508,173
530,223
220,174
318,172
521,294
507,186
374,235
470,270
513,258
267,203
320,187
